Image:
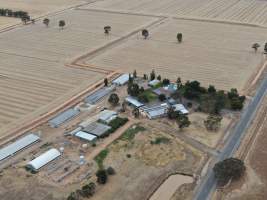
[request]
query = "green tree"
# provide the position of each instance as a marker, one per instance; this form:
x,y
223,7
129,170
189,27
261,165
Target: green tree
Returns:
x,y
145,77
179,37
171,113
88,190
166,82
211,89
255,46
133,89
265,47
107,29
143,98
183,121
61,24
135,74
73,196
162,97
145,33
46,22
179,83
102,176
229,169
113,99
213,122
152,75
111,171
106,82
159,78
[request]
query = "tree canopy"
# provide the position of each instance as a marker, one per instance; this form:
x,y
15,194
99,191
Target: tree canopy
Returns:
x,y
113,99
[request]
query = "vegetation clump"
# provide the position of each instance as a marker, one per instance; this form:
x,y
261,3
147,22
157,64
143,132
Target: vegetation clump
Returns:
x,y
101,157
117,123
129,134
160,140
229,169
213,122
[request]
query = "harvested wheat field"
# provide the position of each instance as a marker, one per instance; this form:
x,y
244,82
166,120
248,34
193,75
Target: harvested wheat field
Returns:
x,y
8,21
212,53
241,11
37,8
33,75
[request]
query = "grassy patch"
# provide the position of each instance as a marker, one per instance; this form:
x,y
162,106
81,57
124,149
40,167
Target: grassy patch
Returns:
x,y
129,134
160,140
150,95
101,157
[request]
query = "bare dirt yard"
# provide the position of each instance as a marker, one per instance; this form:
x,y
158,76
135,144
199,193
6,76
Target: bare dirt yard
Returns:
x,y
142,161
212,53
238,11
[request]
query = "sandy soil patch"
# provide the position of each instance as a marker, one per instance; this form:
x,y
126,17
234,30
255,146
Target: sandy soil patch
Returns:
x,y
211,53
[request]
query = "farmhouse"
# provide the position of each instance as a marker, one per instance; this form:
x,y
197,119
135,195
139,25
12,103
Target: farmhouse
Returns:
x,y
85,136
97,129
121,80
133,102
17,146
63,117
43,160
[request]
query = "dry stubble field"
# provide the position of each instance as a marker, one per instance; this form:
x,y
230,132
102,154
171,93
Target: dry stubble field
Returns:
x,y
243,11
212,53
33,76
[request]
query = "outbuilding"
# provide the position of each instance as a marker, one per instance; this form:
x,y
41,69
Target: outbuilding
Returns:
x,y
180,108
97,129
85,136
107,116
45,158
155,111
121,80
132,101
153,83
63,117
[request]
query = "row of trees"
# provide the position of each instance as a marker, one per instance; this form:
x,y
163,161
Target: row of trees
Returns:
x,y
255,46
11,13
145,34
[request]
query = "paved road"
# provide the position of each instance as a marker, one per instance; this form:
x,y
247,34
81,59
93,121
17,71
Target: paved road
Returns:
x,y
208,183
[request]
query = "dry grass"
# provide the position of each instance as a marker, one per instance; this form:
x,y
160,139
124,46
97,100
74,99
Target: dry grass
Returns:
x,y
212,53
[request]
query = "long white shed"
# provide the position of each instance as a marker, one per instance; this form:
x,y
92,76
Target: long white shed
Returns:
x,y
43,159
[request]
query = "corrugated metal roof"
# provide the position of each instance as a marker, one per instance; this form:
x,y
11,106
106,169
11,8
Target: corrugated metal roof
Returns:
x,y
153,82
121,80
99,94
44,159
134,102
85,136
63,117
107,115
180,108
156,111
18,145
97,129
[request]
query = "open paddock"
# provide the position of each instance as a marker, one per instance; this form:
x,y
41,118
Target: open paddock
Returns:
x,y
212,53
36,8
83,33
241,11
8,21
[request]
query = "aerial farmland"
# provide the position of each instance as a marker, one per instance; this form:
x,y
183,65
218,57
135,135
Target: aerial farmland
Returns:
x,y
138,99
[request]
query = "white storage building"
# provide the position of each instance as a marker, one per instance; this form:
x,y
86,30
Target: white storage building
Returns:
x,y
107,115
18,145
43,159
180,108
85,136
121,80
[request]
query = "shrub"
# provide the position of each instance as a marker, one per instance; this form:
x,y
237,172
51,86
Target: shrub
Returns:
x,y
111,171
117,123
102,176
162,97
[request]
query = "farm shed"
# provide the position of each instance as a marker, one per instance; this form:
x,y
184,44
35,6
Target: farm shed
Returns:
x,y
180,108
155,111
107,115
121,80
153,83
132,101
167,91
18,145
99,95
85,136
97,129
63,117
43,159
